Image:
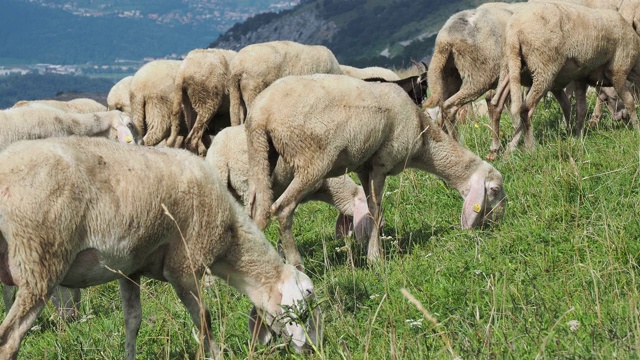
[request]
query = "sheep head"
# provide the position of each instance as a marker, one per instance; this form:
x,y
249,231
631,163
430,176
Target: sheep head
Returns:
x,y
289,313
122,128
485,199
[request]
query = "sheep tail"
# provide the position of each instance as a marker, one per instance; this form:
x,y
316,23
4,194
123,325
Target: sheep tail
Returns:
x,y
235,99
178,103
260,188
436,75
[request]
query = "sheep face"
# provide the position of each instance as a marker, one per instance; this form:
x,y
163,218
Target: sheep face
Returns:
x,y
122,129
485,200
292,316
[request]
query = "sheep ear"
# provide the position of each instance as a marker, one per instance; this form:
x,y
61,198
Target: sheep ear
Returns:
x,y
363,221
124,134
474,203
344,226
258,328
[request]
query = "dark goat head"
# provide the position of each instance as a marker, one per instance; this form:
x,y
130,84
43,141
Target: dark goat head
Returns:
x,y
414,86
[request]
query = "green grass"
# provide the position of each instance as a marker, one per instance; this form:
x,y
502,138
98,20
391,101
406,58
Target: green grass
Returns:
x,y
557,278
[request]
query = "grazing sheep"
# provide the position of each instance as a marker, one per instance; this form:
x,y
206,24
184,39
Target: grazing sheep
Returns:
x,y
105,211
201,92
228,155
80,105
328,125
118,98
579,44
151,98
39,121
256,66
415,86
369,72
466,64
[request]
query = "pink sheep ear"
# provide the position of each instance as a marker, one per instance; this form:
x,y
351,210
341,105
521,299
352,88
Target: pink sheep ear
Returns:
x,y
258,328
474,203
363,221
124,134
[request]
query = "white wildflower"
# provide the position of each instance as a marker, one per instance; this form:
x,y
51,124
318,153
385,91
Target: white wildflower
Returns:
x,y
573,325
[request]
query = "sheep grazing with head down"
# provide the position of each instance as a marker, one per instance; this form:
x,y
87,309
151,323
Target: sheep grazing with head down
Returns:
x,y
118,97
201,93
79,105
106,211
328,125
228,155
256,66
39,121
576,44
151,97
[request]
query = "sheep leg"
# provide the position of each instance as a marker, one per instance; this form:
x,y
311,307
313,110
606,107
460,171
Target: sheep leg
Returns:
x,y
373,185
132,311
287,242
187,289
66,302
18,321
563,99
495,112
581,107
597,111
620,85
193,141
538,89
283,209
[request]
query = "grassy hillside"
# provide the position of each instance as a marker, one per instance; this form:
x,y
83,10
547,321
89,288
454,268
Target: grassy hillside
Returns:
x,y
557,278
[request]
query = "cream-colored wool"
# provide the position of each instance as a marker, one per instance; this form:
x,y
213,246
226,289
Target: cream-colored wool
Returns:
x,y
561,43
228,155
151,98
103,209
201,92
80,105
327,125
118,97
256,66
369,72
39,121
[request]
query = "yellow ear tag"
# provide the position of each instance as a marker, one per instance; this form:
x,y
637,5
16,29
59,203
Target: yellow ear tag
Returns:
x,y
477,208
128,139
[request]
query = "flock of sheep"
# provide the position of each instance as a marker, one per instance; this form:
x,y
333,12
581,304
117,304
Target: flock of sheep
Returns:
x,y
278,124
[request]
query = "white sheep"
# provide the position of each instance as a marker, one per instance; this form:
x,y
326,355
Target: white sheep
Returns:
x,y
466,64
328,125
118,97
201,91
228,155
369,72
39,121
79,105
579,44
106,211
256,66
151,98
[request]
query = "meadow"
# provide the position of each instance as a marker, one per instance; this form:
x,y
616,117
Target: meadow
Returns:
x,y
556,278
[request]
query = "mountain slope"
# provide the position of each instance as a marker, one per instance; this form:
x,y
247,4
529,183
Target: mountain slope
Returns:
x,y
359,32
